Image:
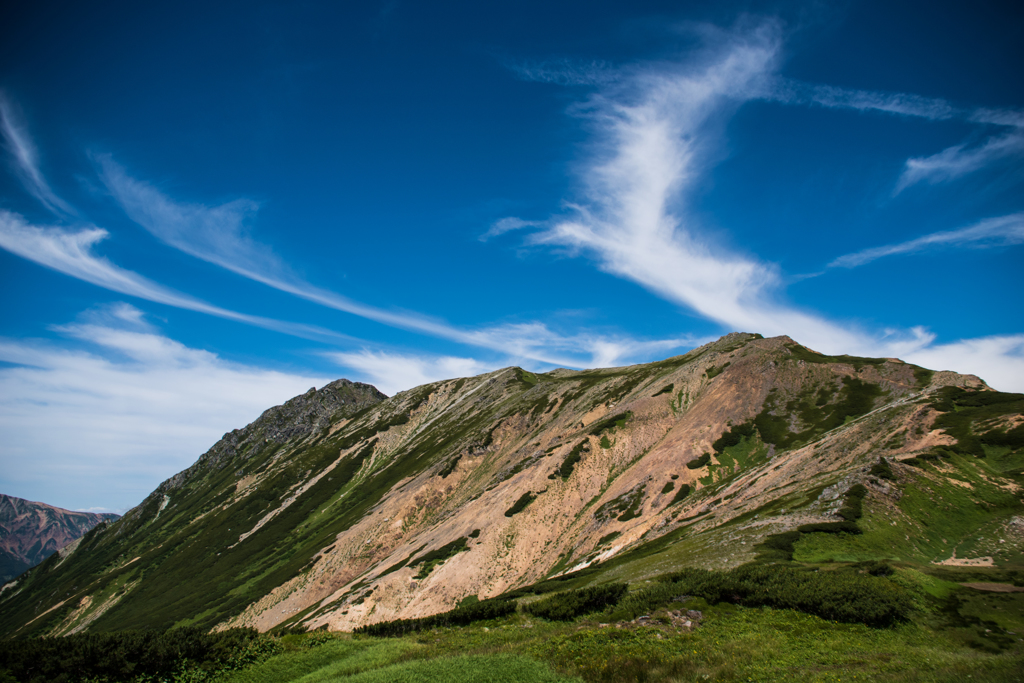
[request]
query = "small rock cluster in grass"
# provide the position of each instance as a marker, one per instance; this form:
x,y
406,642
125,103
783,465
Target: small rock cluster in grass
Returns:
x,y
680,620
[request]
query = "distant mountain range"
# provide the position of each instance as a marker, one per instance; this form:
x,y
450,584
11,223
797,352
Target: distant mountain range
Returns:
x,y
30,532
344,507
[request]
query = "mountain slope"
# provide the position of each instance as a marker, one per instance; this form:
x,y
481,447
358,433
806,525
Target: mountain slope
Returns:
x,y
346,513
30,532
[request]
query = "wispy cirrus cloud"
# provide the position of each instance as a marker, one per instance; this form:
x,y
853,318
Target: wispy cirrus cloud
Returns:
x,y
991,232
960,160
654,132
563,71
951,163
217,235
26,158
507,224
394,372
71,252
133,405
790,91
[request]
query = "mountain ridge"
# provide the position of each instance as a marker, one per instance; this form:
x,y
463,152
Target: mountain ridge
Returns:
x,y
31,531
466,488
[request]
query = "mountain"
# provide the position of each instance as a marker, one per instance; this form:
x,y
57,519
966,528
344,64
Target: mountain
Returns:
x,y
343,507
30,532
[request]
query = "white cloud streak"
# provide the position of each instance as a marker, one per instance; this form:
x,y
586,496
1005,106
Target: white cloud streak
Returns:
x,y
217,235
960,160
991,232
653,133
132,410
26,158
507,224
951,163
997,359
652,145
563,71
71,252
790,91
394,372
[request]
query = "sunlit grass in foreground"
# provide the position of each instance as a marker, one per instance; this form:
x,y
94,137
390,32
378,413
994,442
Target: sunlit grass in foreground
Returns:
x,y
732,644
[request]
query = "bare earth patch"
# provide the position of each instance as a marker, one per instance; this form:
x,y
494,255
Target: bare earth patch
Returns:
x,y
994,587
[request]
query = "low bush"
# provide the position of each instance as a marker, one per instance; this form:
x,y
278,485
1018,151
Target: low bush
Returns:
x,y
460,616
883,470
187,653
570,461
845,597
613,422
697,463
830,528
682,493
520,504
853,505
667,389
713,372
428,561
568,605
733,436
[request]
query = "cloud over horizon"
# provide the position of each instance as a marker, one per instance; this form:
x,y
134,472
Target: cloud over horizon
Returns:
x,y
133,405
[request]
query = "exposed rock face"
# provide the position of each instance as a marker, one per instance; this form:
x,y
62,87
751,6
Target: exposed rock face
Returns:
x,y
340,508
294,422
30,532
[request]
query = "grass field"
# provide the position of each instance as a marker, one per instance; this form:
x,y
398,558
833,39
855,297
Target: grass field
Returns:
x,y
730,644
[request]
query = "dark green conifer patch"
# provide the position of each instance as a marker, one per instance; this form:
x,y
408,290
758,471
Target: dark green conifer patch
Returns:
x,y
682,493
133,655
883,470
839,596
521,504
697,463
460,616
667,389
571,604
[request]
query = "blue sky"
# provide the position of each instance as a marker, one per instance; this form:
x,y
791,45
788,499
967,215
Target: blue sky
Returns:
x,y
206,210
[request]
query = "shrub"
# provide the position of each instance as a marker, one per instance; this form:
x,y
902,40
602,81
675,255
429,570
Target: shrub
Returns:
x,y
570,460
450,466
520,504
568,605
853,506
733,436
682,493
131,655
613,422
883,470
830,528
460,616
713,372
697,463
845,597
433,558
877,568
